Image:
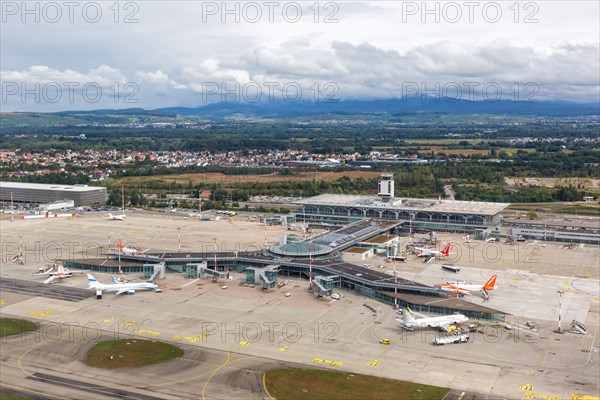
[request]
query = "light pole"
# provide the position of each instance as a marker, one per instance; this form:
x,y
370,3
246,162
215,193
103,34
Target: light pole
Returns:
x,y
20,248
560,293
120,251
179,240
310,286
215,266
412,216
395,281
108,251
265,244
199,204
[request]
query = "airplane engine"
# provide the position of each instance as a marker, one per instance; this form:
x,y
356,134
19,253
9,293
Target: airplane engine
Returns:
x,y
131,291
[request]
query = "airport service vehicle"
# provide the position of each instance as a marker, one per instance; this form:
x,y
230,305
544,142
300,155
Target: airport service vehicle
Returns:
x,y
116,217
118,288
335,296
385,341
441,341
450,268
443,323
462,288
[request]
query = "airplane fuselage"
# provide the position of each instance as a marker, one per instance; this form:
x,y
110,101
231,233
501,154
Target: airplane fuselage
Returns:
x,y
433,322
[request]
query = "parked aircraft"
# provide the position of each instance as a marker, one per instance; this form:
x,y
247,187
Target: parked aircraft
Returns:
x,y
120,288
56,273
130,250
423,252
462,288
409,322
116,217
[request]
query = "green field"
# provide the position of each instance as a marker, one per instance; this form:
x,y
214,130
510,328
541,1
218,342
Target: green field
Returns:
x,y
10,396
128,353
14,326
301,384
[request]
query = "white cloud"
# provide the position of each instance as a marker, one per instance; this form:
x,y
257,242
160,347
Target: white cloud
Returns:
x,y
103,75
369,52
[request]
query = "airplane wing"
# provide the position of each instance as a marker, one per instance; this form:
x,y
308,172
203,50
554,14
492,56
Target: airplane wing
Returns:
x,y
121,292
52,279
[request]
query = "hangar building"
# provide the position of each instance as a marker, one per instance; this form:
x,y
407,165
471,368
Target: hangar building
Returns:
x,y
48,193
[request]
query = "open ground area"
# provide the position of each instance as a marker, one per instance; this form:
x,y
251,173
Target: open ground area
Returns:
x,y
218,177
232,336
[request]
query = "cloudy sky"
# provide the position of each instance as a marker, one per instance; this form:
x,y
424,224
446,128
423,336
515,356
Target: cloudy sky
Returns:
x,y
150,54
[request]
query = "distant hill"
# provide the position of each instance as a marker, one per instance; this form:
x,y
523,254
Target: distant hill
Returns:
x,y
283,109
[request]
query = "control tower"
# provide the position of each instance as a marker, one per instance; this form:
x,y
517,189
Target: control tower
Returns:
x,y
386,186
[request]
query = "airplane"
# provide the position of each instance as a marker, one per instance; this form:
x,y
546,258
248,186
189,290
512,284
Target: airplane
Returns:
x,y
460,288
423,252
442,323
120,288
116,217
130,250
56,272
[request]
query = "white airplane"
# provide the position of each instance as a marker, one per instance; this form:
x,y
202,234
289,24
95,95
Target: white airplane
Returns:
x,y
120,288
116,217
443,322
462,288
423,252
130,250
56,272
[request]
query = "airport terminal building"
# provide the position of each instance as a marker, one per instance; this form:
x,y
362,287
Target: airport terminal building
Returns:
x,y
48,193
430,214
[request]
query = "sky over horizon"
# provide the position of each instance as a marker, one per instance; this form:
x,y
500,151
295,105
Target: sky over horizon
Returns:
x,y
151,54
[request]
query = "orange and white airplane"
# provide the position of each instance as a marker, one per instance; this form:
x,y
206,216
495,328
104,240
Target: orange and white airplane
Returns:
x,y
130,250
423,252
462,288
56,273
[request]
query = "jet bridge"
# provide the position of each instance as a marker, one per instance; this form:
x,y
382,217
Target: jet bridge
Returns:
x,y
324,285
193,270
267,276
154,271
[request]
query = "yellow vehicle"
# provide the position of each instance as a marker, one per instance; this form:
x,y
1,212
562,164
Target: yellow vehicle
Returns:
x,y
385,341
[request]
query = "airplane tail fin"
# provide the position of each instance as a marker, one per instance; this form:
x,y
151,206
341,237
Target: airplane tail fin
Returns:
x,y
121,245
93,283
60,269
408,316
491,283
110,215
446,250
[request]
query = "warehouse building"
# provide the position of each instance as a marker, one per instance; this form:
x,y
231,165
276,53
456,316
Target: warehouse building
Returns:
x,y
48,193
